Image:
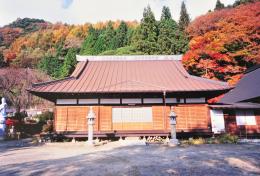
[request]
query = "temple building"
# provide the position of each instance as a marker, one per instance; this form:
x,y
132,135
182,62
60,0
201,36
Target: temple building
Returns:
x,y
131,96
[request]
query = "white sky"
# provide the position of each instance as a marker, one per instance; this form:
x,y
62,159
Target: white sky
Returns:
x,y
82,11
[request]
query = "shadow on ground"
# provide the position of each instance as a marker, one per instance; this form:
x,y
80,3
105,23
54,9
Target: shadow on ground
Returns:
x,y
132,160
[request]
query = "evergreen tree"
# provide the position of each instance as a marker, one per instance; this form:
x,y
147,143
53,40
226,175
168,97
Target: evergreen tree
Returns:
x,y
184,17
239,2
108,36
219,5
89,42
121,38
146,37
51,65
171,40
100,45
69,63
166,13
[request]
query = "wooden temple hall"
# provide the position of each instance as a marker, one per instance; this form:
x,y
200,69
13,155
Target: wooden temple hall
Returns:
x,y
130,96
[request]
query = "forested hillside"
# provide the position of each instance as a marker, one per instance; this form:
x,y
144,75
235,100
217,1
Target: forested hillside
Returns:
x,y
224,43
219,45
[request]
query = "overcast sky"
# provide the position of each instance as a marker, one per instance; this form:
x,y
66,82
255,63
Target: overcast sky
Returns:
x,y
82,11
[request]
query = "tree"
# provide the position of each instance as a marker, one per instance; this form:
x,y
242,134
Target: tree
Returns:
x,y
145,39
100,45
2,61
13,85
166,14
224,43
121,37
170,39
239,2
219,5
69,63
51,66
89,42
108,37
184,17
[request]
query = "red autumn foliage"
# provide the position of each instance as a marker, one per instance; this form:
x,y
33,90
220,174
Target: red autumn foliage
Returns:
x,y
224,43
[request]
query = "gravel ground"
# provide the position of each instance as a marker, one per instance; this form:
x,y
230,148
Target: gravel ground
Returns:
x,y
116,159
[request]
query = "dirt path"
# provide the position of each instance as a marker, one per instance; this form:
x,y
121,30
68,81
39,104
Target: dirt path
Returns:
x,y
115,159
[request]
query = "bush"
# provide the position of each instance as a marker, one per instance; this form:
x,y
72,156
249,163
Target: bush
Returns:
x,y
222,139
197,141
19,116
42,118
48,128
228,139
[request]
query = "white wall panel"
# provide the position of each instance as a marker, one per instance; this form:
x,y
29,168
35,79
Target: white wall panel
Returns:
x,y
245,117
110,101
88,101
66,101
138,114
171,100
153,100
131,100
196,100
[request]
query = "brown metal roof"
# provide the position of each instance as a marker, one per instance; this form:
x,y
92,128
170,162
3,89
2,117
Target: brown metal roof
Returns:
x,y
247,88
119,74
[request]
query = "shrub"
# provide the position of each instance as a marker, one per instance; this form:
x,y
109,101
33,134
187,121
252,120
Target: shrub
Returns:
x,y
228,139
48,127
42,118
197,141
19,116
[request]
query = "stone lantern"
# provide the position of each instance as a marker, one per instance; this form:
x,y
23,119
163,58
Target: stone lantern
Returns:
x,y
91,122
172,116
3,116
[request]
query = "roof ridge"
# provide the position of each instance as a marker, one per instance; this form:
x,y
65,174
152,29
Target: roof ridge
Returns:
x,y
129,58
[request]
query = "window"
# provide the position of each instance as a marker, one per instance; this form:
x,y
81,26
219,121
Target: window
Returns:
x,y
245,117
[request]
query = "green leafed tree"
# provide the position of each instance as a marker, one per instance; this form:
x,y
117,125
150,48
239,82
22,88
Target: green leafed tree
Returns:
x,y
89,42
166,13
69,63
121,37
219,5
100,45
51,66
145,39
184,17
170,39
109,37
239,2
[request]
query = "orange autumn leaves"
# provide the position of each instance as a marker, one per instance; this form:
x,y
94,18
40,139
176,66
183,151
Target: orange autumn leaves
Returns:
x,y
27,50
224,43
